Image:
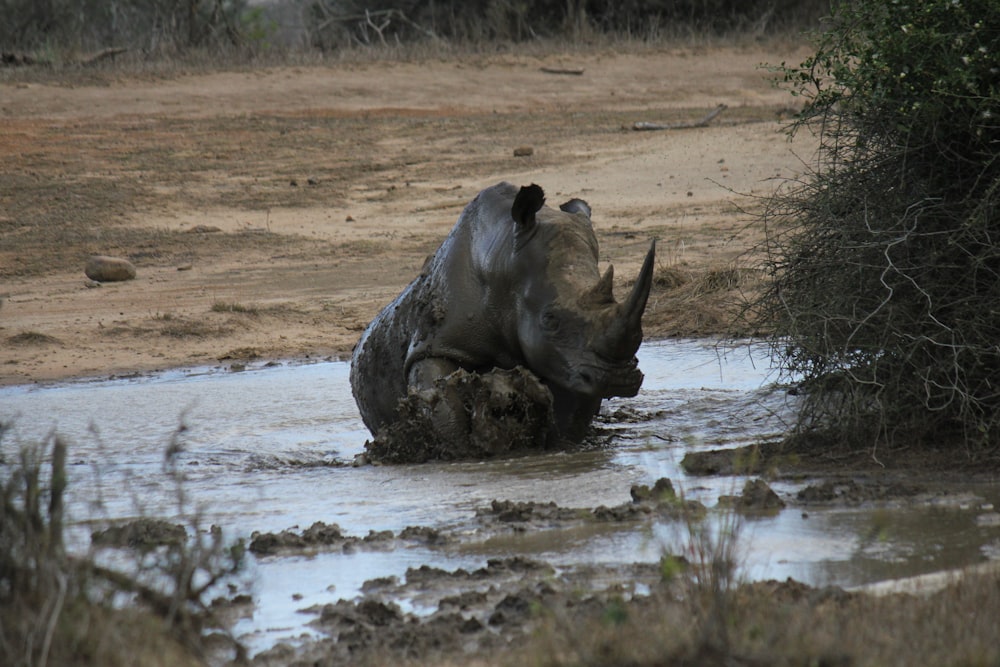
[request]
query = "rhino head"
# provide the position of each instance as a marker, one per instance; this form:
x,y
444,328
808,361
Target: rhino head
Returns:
x,y
572,332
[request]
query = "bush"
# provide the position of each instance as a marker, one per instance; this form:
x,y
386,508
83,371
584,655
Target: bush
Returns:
x,y
152,26
335,24
886,260
172,27
61,608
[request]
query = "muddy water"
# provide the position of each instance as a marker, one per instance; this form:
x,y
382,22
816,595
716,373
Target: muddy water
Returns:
x,y
269,448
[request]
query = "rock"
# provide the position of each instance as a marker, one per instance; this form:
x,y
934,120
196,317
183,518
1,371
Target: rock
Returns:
x,y
106,269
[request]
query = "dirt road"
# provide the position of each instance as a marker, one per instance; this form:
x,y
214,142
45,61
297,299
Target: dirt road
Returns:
x,y
271,213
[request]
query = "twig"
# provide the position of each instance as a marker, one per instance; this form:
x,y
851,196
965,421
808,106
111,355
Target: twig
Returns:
x,y
571,71
644,126
101,55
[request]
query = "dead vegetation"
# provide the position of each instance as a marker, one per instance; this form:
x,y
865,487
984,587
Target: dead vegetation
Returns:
x,y
60,606
783,623
687,301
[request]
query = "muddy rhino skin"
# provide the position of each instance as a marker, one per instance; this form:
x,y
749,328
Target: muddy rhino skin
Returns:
x,y
515,283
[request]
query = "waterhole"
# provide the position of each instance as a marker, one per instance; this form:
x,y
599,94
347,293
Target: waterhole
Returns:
x,y
270,448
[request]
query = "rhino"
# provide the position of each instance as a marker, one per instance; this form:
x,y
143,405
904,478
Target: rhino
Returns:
x,y
515,285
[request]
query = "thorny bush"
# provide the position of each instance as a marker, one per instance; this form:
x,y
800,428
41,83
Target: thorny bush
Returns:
x,y
885,259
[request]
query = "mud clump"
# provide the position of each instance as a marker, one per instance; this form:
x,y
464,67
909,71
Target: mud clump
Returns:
x,y
323,535
499,412
852,492
757,497
739,460
507,511
660,500
142,534
662,492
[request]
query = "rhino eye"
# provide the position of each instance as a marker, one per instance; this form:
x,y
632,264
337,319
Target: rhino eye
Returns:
x,y
550,322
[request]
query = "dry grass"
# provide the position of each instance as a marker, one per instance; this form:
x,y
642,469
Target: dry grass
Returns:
x,y
686,301
28,338
785,623
232,307
702,615
61,608
65,70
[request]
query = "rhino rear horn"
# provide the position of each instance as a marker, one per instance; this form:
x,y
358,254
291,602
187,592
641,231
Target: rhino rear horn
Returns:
x,y
528,201
636,303
576,206
603,291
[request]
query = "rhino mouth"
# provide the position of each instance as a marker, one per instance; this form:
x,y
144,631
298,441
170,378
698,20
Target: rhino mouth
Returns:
x,y
608,380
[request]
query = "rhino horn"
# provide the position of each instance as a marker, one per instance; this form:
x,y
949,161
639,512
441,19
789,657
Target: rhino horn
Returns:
x,y
634,307
602,292
527,202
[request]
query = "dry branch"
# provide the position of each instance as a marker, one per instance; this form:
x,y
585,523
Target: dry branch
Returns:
x,y
644,126
104,54
572,71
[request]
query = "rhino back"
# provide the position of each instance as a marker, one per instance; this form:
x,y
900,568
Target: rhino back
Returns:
x,y
377,369
443,313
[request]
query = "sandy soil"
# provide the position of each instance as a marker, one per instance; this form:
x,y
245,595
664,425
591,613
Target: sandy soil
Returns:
x,y
271,213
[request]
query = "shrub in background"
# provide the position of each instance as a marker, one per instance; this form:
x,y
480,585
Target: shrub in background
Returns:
x,y
152,26
174,27
886,259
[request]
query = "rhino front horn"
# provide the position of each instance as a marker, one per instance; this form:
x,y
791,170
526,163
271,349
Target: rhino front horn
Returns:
x,y
636,303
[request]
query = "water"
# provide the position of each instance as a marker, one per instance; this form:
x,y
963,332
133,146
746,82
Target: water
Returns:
x,y
267,449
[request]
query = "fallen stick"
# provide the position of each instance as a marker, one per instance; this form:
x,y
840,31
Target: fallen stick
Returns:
x,y
644,126
563,70
101,55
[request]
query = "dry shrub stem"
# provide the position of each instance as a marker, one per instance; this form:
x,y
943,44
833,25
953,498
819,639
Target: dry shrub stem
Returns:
x,y
62,608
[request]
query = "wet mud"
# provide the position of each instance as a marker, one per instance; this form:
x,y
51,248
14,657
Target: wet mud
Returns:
x,y
506,411
330,537
466,613
437,614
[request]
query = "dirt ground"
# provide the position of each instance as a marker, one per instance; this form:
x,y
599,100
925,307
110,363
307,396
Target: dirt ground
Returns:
x,y
270,213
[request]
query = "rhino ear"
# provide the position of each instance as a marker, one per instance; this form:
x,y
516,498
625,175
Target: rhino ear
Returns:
x,y
576,206
528,201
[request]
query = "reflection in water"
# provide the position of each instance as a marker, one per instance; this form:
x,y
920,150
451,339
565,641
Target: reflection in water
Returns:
x,y
264,450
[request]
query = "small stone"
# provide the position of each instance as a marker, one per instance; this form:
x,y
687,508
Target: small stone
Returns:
x,y
524,151
109,269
